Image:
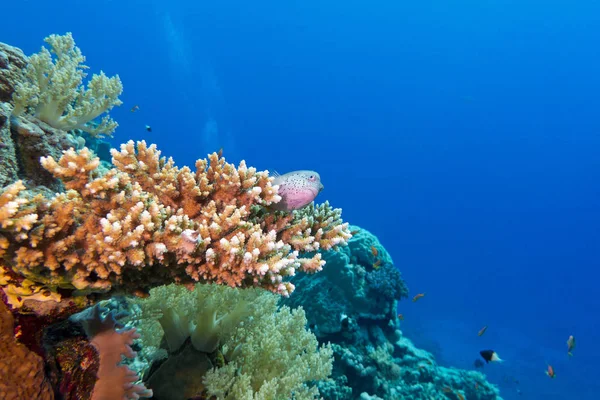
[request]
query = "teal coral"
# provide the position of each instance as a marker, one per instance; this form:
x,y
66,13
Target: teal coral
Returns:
x,y
344,287
373,359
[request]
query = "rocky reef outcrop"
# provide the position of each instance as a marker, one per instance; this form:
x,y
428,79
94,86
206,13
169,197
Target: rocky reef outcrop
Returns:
x,y
352,304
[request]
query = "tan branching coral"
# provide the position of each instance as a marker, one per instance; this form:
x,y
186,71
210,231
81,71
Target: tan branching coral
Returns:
x,y
147,222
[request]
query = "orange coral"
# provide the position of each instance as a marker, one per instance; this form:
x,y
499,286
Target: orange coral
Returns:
x,y
21,370
147,222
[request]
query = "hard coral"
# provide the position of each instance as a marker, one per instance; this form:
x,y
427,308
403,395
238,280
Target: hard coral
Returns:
x,y
350,286
9,166
52,90
21,370
147,222
386,282
371,354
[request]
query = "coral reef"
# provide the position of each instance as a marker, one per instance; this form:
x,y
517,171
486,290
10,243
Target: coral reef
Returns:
x,y
74,230
83,357
143,213
116,381
76,358
351,285
229,343
12,64
352,304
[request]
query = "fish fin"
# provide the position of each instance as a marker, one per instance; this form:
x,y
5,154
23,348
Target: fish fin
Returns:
x,y
570,354
275,174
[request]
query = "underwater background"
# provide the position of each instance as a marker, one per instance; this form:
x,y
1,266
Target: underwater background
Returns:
x,y
464,135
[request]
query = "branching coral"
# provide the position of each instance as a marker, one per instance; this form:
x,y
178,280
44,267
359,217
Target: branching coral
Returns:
x,y
147,222
386,282
52,89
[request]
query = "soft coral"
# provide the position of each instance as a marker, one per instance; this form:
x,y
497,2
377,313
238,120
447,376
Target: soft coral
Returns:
x,y
52,89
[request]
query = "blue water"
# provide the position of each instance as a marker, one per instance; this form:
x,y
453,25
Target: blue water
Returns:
x,y
464,134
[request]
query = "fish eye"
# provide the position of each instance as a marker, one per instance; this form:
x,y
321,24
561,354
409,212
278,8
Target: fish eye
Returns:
x,y
312,177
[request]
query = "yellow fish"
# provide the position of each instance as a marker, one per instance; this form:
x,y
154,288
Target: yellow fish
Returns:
x,y
482,331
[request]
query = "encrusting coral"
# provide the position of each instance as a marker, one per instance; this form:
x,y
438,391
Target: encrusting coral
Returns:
x,y
23,368
51,89
146,222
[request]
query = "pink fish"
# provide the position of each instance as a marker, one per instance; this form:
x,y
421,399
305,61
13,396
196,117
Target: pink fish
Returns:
x,y
297,189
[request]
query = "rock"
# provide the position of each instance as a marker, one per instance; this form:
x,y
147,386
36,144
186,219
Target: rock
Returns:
x,y
12,63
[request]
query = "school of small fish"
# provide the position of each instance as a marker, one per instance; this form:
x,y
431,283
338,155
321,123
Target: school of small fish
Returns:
x,y
375,253
488,355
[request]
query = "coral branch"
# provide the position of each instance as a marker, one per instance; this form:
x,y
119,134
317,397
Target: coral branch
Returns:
x,y
147,222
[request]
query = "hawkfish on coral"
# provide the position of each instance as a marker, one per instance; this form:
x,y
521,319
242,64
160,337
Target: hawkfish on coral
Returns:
x,y
146,222
297,189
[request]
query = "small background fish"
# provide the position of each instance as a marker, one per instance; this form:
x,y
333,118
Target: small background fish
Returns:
x,y
297,189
